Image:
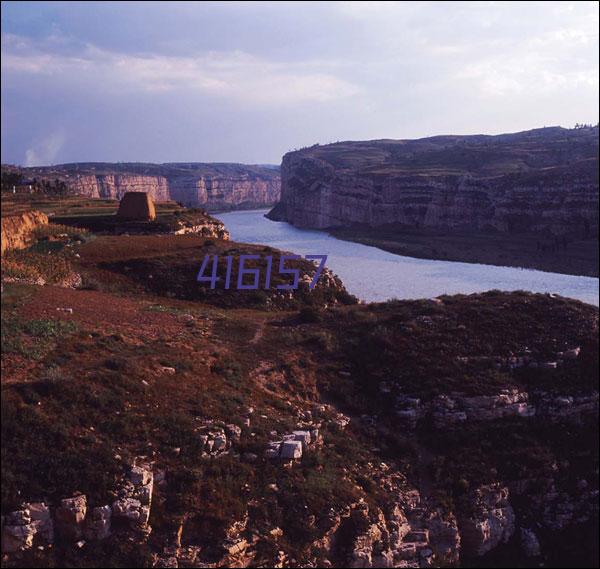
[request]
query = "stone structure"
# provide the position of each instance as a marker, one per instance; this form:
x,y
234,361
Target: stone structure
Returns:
x,y
136,206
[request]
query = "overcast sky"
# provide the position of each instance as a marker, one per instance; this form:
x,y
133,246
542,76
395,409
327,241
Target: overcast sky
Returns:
x,y
246,82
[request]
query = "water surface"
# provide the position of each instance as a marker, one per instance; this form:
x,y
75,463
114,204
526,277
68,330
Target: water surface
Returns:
x,y
375,275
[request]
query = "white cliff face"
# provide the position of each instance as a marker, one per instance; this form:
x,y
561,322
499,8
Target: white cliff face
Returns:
x,y
491,523
115,186
221,186
512,183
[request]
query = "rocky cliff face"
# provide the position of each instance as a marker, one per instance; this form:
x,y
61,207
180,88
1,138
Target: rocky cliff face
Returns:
x,y
212,186
17,229
544,179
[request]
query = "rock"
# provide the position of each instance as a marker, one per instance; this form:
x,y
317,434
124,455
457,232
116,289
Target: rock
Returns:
x,y
221,186
572,354
43,522
529,543
408,417
70,517
128,508
492,522
303,437
139,475
18,518
375,183
291,450
169,561
18,230
236,547
271,453
233,431
220,443
17,537
144,493
98,524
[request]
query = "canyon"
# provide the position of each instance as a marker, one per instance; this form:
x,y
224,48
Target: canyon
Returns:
x,y
149,420
539,180
213,186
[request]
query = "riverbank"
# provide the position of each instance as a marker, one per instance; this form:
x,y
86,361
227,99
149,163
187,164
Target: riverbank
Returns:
x,y
577,257
375,275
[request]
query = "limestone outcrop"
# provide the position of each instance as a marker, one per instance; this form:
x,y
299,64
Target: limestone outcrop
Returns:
x,y
211,186
491,523
538,180
17,230
36,524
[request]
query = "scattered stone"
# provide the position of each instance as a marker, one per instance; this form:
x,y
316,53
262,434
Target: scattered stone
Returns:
x,y
492,522
98,523
572,354
70,517
291,450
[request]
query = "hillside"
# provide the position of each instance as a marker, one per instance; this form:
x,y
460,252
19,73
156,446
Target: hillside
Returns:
x,y
538,188
214,186
148,420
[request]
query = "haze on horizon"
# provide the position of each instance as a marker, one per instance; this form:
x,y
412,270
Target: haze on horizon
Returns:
x,y
249,81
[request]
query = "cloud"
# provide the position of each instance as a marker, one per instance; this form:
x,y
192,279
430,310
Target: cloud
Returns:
x,y
247,81
235,75
45,150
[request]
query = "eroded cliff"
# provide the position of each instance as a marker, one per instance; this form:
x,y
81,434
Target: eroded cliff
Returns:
x,y
17,229
539,180
212,186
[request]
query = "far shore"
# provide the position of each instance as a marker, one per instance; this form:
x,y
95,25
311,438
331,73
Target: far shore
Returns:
x,y
572,256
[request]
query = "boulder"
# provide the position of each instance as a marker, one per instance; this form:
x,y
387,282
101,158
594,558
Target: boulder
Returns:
x,y
220,442
572,354
303,437
17,537
291,450
70,517
128,508
42,520
492,521
18,518
98,523
140,475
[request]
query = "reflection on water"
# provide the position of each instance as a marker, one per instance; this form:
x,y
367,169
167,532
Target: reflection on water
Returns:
x,y
375,275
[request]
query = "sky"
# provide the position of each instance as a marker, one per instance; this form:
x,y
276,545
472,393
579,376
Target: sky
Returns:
x,y
250,81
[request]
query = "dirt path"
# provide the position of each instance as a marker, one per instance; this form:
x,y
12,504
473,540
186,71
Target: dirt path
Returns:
x,y
260,331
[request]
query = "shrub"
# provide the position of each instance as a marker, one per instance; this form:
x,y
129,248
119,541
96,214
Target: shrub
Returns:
x,y
309,315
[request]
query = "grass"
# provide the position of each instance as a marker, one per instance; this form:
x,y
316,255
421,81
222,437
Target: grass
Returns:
x,y
33,338
89,396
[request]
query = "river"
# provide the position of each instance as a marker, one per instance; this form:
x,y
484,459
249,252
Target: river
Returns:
x,y
375,275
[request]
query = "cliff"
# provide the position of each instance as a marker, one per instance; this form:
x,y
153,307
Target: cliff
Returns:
x,y
212,186
539,180
17,229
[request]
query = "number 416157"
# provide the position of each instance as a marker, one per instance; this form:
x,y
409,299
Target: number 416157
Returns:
x,y
254,275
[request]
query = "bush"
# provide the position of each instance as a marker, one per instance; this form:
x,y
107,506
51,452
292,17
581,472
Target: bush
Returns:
x,y
309,315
